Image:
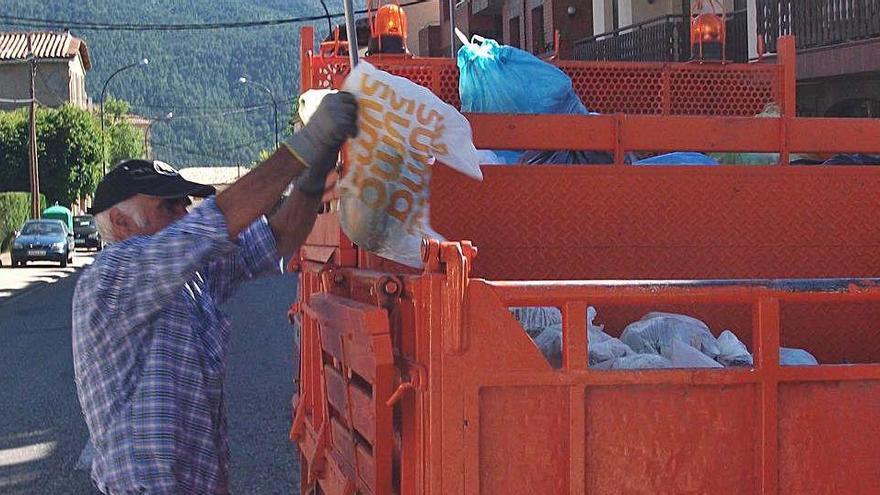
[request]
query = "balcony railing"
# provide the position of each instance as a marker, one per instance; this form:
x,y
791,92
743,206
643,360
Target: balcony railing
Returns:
x,y
817,23
664,39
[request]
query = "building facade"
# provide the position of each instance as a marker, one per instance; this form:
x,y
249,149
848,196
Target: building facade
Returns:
x,y
527,24
838,41
422,17
656,30
62,61
838,47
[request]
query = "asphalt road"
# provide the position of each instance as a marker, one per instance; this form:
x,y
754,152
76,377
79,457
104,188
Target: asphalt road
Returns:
x,y
17,281
42,433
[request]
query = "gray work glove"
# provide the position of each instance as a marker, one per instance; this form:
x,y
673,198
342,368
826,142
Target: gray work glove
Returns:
x,y
317,144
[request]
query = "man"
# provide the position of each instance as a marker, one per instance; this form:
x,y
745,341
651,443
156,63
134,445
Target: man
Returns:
x,y
149,342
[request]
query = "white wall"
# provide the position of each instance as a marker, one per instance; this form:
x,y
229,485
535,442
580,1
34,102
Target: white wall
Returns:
x,y
77,83
753,29
643,11
625,12
603,17
417,17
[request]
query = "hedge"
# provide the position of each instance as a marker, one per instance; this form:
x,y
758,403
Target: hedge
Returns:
x,y
15,208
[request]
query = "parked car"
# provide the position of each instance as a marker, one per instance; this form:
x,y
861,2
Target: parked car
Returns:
x,y
85,232
43,240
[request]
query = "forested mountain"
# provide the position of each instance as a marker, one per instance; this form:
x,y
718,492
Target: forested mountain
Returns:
x,y
192,73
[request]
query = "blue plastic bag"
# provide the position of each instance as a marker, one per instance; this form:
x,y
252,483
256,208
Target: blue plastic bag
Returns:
x,y
503,79
679,158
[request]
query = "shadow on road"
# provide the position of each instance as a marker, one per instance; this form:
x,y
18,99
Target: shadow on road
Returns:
x,y
17,281
42,432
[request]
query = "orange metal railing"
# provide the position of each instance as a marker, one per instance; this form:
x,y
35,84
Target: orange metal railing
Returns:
x,y
422,382
458,430
652,88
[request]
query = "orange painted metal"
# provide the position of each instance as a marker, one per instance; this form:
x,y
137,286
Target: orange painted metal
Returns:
x,y
422,382
357,381
607,87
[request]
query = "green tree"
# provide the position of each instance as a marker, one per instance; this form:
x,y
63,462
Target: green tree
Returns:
x,y
68,151
123,140
193,73
14,169
262,156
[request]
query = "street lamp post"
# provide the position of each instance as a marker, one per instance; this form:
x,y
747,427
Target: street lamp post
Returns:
x,y
165,118
139,63
268,91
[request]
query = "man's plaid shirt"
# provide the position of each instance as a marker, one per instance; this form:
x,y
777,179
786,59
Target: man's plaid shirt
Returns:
x,y
149,350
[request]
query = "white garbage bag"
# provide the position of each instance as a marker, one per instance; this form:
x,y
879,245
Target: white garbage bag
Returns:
x,y
655,333
796,357
403,129
732,351
489,157
549,342
601,346
309,102
637,362
535,319
606,350
685,356
544,325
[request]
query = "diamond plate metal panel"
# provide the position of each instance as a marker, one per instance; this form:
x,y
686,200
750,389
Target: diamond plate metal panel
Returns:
x,y
610,87
624,223
556,222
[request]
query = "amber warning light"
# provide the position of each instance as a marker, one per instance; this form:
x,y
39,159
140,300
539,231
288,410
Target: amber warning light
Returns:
x,y
708,32
388,30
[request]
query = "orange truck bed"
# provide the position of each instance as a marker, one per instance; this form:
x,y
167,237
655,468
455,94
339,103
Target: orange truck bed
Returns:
x,y
422,382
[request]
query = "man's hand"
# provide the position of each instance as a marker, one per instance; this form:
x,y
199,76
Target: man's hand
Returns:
x,y
317,144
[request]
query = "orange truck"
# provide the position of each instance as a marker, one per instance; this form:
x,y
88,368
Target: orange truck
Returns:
x,y
422,382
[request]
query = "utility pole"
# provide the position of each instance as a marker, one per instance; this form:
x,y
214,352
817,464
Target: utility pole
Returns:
x,y
451,6
32,148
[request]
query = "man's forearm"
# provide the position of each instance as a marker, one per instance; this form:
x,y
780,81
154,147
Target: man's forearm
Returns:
x,y
292,223
258,191
312,150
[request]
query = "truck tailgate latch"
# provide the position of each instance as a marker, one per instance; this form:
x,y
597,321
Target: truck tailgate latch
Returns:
x,y
416,382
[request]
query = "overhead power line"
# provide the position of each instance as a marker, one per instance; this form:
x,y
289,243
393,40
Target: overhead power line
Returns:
x,y
220,154
35,22
172,106
221,113
213,149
